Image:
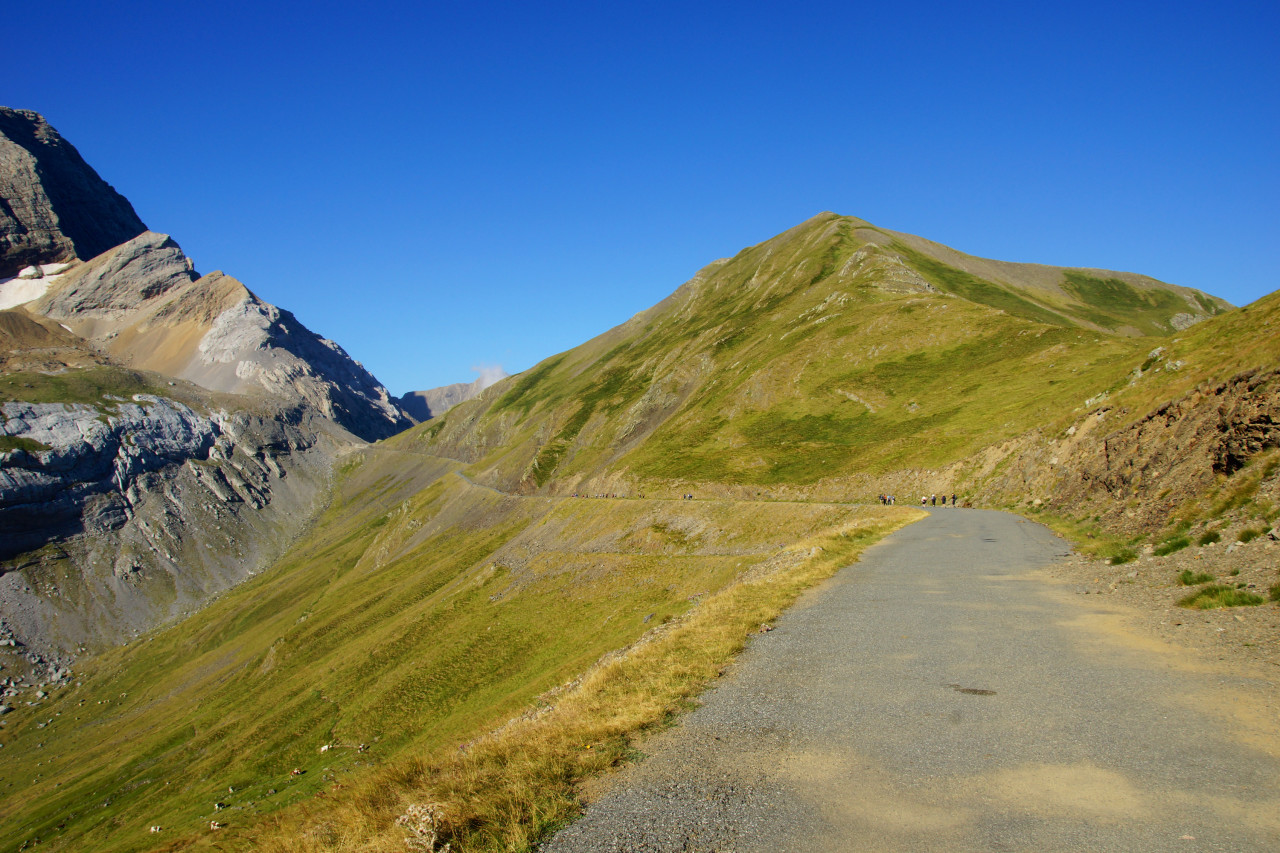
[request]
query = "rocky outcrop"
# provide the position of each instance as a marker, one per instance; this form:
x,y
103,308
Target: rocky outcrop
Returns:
x,y
253,345
144,304
1133,478
109,292
53,205
65,454
120,516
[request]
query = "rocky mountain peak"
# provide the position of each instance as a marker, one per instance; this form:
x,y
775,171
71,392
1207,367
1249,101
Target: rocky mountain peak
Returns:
x,y
53,205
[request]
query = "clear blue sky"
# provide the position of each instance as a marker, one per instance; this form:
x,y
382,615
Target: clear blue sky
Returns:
x,y
441,186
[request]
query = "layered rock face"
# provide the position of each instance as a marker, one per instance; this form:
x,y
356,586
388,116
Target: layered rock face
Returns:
x,y
122,510
66,454
144,304
1134,478
131,512
55,206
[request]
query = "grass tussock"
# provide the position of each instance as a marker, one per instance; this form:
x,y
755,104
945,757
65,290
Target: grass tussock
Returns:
x,y
1215,596
1249,534
1120,556
1171,545
510,788
1189,578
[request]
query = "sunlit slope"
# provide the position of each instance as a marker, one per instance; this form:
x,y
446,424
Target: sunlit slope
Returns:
x,y
1184,440
831,350
418,612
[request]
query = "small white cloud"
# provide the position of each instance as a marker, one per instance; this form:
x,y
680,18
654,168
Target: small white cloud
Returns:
x,y
489,374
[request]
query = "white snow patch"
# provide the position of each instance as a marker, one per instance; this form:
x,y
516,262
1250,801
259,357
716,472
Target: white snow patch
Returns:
x,y
28,285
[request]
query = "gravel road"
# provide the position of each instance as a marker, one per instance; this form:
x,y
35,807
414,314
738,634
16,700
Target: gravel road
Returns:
x,y
944,694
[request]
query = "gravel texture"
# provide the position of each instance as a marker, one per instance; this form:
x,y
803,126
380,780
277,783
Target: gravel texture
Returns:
x,y
1147,589
950,693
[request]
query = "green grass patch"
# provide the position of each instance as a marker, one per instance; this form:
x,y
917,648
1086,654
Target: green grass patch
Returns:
x,y
1212,597
10,443
1170,546
1112,303
1091,538
1238,491
1122,555
1249,534
78,386
1209,537
1187,577
977,289
529,388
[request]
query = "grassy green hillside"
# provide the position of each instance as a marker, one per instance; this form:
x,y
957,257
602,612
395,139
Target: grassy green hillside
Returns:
x,y
456,593
830,351
419,612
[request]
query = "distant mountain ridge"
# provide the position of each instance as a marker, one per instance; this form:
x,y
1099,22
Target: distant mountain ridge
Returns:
x,y
425,405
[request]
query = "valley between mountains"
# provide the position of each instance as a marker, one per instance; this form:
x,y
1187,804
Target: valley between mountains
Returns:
x,y
251,600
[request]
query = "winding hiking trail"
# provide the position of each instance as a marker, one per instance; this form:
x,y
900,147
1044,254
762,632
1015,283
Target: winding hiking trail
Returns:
x,y
944,694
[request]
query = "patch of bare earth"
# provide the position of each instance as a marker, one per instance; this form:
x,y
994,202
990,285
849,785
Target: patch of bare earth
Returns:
x,y
1149,590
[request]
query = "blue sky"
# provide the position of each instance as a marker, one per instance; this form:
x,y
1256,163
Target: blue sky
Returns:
x,y
444,186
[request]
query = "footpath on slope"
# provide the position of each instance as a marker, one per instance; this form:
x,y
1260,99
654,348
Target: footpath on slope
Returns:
x,y
944,694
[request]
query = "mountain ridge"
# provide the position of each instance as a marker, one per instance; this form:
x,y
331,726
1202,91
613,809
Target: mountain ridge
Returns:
x,y
767,330
425,405
112,343
57,207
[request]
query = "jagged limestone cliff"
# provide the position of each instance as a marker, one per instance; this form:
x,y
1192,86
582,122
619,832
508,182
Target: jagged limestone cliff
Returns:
x,y
164,433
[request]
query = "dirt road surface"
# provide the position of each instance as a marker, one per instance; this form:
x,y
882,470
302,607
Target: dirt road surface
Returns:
x,y
945,694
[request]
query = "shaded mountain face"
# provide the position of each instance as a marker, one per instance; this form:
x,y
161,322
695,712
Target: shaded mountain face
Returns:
x,y
425,405
53,205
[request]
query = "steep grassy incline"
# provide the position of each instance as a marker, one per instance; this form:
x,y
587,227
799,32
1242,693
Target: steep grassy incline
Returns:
x,y
1186,444
831,351
419,612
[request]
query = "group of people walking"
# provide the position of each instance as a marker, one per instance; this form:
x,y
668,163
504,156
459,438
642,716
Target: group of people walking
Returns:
x,y
925,500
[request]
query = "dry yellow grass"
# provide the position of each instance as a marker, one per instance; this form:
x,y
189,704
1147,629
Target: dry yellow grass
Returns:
x,y
512,786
